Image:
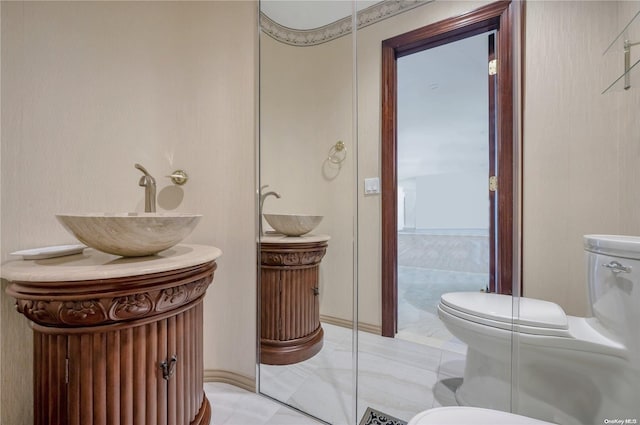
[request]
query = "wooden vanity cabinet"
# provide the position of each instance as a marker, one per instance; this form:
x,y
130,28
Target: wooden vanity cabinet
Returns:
x,y
115,377
289,301
122,351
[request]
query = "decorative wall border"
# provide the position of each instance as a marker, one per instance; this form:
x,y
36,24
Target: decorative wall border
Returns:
x,y
312,37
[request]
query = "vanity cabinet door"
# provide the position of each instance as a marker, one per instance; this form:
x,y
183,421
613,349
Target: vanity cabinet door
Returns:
x,y
290,314
150,374
270,311
50,379
114,377
185,394
299,314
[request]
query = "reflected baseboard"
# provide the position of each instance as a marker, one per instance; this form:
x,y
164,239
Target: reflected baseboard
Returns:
x,y
227,377
366,327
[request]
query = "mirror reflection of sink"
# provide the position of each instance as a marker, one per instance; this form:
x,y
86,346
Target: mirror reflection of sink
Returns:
x,y
293,224
130,234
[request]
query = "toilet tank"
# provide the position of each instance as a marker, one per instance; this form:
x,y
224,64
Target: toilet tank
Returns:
x,y
613,274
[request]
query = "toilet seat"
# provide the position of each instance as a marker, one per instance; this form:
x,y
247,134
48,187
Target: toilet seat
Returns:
x,y
458,415
490,315
535,317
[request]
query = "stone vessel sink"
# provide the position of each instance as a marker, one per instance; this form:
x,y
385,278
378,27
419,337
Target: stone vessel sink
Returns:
x,y
293,224
130,234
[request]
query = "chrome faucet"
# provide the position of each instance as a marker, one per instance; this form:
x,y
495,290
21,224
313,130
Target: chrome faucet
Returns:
x,y
149,184
262,198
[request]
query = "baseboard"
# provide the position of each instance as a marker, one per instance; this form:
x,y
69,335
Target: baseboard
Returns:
x,y
367,327
241,381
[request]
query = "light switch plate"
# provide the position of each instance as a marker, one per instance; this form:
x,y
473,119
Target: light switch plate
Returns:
x,y
371,186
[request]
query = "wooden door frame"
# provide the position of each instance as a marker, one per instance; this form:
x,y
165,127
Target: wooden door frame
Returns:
x,y
495,16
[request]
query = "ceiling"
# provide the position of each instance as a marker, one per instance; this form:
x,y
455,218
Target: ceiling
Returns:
x,y
305,15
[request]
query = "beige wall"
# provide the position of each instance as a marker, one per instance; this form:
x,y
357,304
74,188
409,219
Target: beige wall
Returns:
x,y
306,107
628,105
580,146
89,89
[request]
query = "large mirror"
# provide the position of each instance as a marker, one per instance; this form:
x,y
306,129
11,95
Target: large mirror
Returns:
x,y
307,166
574,140
426,118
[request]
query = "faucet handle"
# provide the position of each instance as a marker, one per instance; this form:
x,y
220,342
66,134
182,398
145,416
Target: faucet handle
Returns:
x,y
179,177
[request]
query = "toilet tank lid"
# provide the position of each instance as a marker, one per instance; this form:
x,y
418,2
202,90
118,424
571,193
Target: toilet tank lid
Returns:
x,y
614,245
527,311
456,415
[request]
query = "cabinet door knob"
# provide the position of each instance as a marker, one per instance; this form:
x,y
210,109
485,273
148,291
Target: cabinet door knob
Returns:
x,y
316,291
168,367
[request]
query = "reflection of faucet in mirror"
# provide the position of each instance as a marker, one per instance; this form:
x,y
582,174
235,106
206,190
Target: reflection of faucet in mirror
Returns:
x,y
262,198
149,184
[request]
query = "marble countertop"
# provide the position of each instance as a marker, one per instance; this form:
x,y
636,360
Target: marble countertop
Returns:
x,y
93,264
308,238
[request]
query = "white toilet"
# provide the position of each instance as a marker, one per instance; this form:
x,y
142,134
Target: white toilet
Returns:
x,y
570,370
470,416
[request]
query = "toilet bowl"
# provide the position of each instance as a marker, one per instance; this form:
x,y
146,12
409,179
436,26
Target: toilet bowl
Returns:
x,y
570,370
470,416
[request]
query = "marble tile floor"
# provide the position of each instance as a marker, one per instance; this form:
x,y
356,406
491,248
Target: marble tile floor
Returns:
x,y
419,291
419,369
235,406
398,377
231,405
427,329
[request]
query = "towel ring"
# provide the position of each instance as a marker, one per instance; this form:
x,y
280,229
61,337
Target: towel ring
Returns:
x,y
337,153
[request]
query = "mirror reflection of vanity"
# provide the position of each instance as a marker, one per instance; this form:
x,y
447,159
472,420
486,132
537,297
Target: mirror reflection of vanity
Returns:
x,y
308,81
306,107
290,330
316,75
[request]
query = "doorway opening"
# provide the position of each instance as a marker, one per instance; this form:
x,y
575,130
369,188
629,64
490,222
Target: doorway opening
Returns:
x,y
447,165
443,161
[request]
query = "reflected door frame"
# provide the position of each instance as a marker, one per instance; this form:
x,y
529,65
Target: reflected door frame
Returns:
x,y
493,17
